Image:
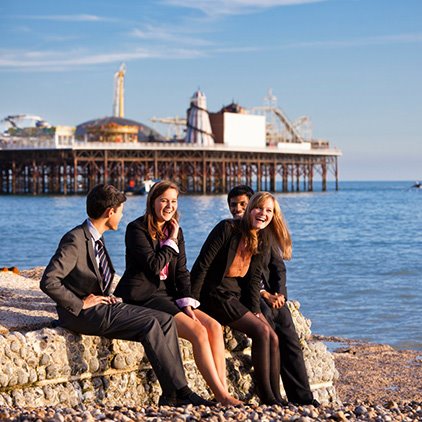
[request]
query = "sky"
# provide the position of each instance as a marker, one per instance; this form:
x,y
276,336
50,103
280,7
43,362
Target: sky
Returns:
x,y
354,67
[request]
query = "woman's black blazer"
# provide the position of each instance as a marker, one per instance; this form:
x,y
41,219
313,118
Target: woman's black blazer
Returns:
x,y
214,260
144,261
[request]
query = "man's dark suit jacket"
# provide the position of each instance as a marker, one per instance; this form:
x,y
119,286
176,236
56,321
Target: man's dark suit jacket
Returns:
x,y
214,260
144,261
72,273
274,272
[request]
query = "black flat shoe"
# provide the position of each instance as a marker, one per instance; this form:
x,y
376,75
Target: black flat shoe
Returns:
x,y
195,400
167,401
282,402
312,402
315,403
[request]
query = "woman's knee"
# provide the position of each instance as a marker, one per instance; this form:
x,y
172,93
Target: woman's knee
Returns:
x,y
262,332
214,327
274,339
199,334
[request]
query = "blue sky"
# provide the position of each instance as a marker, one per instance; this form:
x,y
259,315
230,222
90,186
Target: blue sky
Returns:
x,y
353,66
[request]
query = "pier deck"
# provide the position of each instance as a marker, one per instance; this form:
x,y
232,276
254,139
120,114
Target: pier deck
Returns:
x,y
35,167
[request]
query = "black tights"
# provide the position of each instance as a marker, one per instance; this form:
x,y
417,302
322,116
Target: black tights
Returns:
x,y
265,355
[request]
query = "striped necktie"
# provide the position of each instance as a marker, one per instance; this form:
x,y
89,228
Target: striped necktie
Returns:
x,y
104,265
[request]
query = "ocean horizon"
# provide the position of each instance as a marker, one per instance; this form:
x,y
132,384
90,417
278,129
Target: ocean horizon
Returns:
x,y
357,252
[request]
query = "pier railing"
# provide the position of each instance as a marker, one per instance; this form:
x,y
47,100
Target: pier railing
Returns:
x,y
33,143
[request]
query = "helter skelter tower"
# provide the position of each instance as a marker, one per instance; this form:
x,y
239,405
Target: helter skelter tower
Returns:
x,y
198,126
119,92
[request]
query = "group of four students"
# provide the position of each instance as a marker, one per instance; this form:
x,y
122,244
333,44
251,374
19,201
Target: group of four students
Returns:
x,y
237,280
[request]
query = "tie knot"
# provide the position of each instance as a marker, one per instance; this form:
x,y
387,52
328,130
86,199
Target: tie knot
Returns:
x,y
99,244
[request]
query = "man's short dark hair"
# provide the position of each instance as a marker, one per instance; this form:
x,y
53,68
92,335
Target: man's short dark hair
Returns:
x,y
240,190
102,197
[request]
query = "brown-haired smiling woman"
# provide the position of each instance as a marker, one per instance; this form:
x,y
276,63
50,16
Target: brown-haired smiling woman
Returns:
x,y
156,277
226,279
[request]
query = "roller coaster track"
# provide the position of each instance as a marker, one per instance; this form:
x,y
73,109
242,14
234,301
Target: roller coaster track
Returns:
x,y
296,138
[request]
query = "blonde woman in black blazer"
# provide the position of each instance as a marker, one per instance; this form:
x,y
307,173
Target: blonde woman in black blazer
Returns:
x,y
226,279
156,277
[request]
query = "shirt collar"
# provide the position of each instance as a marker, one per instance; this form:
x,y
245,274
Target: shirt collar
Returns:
x,y
92,229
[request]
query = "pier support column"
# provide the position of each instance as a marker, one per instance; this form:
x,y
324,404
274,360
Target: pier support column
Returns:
x,y
336,171
64,178
311,178
324,176
223,177
122,182
239,173
35,178
75,175
297,177
285,176
204,174
273,174
106,167
14,177
155,165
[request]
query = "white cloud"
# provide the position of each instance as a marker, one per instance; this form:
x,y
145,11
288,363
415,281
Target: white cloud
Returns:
x,y
67,18
358,42
54,60
67,60
234,7
173,35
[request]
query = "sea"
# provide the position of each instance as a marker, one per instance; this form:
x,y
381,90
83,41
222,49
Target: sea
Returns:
x,y
357,252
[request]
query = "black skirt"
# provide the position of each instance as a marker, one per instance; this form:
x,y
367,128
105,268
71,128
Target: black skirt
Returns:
x,y
223,303
162,301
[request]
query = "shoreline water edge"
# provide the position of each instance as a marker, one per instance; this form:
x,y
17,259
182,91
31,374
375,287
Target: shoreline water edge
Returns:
x,y
376,383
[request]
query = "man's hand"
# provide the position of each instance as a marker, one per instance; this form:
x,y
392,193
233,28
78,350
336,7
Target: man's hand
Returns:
x,y
92,300
276,300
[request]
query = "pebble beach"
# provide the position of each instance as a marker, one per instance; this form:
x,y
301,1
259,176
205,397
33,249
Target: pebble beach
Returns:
x,y
376,383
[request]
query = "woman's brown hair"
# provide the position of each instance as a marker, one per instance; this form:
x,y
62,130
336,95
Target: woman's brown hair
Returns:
x,y
157,190
277,229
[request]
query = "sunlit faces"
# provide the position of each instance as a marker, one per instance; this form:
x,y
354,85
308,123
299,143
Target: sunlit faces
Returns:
x,y
165,206
237,205
261,216
115,215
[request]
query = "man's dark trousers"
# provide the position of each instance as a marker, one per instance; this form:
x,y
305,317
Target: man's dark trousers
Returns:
x,y
292,366
154,329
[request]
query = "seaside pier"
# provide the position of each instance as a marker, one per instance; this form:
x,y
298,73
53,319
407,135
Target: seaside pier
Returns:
x,y
49,167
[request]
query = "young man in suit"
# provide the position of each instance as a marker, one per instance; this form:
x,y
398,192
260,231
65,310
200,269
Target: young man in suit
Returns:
x,y
272,303
79,278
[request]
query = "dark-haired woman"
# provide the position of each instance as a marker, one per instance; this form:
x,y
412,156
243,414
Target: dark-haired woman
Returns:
x,y
226,279
156,277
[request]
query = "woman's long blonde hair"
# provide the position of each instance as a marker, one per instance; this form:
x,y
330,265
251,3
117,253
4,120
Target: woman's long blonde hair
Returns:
x,y
277,230
158,189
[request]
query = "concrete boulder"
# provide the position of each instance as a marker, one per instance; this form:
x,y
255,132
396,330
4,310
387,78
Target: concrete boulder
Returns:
x,y
43,365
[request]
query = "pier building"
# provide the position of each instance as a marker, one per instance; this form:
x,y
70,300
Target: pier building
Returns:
x,y
115,129
219,150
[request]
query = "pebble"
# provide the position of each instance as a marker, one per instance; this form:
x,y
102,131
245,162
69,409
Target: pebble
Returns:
x,y
386,412
360,410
